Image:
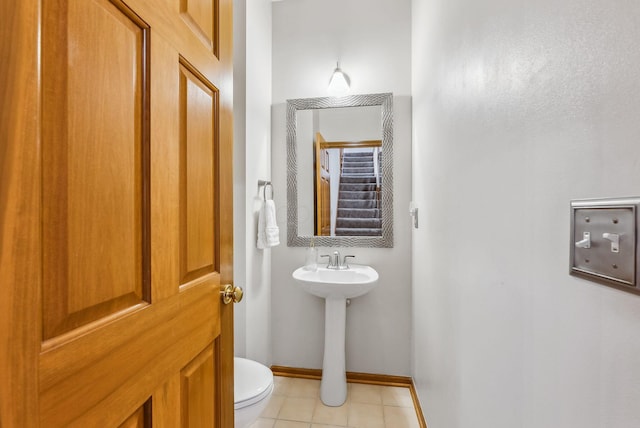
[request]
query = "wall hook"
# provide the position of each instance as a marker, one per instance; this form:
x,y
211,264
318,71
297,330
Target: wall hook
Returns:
x,y
264,184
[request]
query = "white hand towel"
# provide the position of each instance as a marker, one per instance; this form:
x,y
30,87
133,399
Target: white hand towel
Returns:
x,y
268,232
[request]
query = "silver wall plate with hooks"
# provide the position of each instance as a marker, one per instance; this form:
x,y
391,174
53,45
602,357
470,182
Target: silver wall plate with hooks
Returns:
x,y
604,241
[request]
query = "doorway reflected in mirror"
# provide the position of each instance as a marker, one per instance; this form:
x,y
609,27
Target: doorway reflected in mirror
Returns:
x,y
348,184
340,171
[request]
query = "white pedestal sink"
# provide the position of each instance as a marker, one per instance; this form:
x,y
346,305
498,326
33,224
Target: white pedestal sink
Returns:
x,y
335,286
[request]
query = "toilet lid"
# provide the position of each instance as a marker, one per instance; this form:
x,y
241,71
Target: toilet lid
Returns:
x,y
252,382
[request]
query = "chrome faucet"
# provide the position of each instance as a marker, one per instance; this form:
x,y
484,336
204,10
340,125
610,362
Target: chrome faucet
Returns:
x,y
334,261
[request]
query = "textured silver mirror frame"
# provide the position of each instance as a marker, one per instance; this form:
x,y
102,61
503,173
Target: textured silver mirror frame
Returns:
x,y
384,100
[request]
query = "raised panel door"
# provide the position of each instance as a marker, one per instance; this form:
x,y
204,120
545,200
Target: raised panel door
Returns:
x,y
115,214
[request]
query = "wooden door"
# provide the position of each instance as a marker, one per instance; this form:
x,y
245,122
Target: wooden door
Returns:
x,y
115,213
322,187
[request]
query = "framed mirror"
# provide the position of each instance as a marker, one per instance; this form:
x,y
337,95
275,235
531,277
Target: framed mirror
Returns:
x,y
340,171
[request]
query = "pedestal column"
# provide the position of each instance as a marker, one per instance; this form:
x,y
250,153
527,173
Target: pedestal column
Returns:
x,y
333,387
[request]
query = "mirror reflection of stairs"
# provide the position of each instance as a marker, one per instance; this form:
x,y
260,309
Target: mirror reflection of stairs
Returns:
x,y
358,208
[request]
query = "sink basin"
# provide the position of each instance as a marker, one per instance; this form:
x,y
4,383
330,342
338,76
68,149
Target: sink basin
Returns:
x,y
335,286
346,283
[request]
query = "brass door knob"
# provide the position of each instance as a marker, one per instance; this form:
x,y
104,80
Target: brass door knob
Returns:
x,y
231,294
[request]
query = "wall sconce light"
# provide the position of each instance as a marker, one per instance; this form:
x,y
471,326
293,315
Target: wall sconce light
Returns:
x,y
339,82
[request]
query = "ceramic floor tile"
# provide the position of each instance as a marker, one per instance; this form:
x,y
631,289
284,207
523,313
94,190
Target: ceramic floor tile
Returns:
x,y
297,409
362,415
400,417
330,415
263,423
274,406
281,385
397,396
362,393
295,403
291,424
309,388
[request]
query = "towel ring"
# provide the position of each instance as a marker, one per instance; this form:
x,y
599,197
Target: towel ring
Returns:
x,y
264,185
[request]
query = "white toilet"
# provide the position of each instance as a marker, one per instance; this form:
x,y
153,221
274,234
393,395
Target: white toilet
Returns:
x,y
253,385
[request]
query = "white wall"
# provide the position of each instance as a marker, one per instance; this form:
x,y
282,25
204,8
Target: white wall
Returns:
x,y
239,171
371,38
252,98
306,128
519,107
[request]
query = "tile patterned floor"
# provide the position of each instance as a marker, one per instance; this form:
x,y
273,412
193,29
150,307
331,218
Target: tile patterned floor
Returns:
x,y
295,403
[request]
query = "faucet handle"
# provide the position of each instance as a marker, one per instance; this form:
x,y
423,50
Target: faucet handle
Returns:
x,y
329,259
344,261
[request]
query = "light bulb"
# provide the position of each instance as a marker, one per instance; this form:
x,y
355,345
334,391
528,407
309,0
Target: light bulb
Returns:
x,y
339,82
